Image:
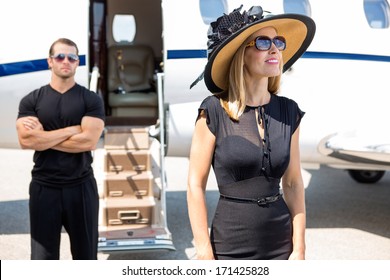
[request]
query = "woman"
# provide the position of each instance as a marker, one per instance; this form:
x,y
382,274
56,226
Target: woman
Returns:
x,y
250,136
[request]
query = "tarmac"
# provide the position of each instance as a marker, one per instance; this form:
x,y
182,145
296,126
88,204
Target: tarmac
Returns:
x,y
346,220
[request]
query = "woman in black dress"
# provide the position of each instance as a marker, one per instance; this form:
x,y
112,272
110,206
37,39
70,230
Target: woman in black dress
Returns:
x,y
250,136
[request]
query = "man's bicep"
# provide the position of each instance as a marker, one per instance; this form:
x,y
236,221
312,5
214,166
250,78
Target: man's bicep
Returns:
x,y
24,134
20,127
92,126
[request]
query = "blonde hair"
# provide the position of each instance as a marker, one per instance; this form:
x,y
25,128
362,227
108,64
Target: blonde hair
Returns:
x,y
234,99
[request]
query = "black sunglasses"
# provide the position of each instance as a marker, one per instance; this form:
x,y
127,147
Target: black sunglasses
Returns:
x,y
264,43
72,58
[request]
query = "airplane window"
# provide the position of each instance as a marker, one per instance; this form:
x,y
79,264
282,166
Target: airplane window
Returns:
x,y
297,7
123,28
377,13
212,9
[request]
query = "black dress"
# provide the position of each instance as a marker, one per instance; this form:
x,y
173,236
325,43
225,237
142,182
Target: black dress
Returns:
x,y
247,168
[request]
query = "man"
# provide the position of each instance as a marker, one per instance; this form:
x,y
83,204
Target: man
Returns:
x,y
62,122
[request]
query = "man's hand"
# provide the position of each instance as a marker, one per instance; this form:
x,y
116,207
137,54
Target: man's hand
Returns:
x,y
90,131
32,123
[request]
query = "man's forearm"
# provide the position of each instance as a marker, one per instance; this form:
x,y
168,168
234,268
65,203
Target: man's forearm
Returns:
x,y
86,140
41,140
76,144
32,135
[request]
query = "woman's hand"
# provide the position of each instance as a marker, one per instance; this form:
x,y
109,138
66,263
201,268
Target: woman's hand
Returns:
x,y
297,255
205,254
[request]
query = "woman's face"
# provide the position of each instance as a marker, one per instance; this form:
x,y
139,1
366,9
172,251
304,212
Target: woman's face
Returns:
x,y
267,63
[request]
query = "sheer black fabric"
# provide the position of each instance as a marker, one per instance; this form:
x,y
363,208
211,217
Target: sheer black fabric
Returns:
x,y
249,165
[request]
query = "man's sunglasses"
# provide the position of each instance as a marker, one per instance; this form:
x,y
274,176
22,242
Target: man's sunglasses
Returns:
x,y
264,43
72,58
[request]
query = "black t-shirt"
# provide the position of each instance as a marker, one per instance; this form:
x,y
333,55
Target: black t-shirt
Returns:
x,y
55,110
240,153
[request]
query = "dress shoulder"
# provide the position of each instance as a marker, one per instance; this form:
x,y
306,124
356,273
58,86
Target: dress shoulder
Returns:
x,y
212,108
291,110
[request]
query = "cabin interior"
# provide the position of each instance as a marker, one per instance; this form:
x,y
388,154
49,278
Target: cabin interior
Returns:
x,y
126,46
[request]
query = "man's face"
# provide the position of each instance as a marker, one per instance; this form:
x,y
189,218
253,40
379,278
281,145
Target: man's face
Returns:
x,y
64,61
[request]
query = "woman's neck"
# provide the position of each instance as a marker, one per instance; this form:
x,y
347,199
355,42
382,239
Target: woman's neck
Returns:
x,y
257,94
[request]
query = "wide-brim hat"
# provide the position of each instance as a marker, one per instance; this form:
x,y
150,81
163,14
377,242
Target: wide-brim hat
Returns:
x,y
230,31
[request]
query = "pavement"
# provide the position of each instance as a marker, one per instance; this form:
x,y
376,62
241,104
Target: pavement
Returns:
x,y
346,220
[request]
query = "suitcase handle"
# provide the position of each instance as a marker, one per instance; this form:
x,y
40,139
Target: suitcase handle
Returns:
x,y
116,168
119,168
116,193
129,215
139,167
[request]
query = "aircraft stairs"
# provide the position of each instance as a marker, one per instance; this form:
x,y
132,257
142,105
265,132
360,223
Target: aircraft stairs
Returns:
x,y
131,191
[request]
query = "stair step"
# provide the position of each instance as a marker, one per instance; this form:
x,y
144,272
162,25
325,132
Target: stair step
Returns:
x,y
127,160
126,211
126,137
131,185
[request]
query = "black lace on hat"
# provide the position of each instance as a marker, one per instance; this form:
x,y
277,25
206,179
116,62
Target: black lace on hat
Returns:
x,y
226,25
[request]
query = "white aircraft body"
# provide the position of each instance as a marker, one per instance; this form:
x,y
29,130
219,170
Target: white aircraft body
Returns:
x,y
341,82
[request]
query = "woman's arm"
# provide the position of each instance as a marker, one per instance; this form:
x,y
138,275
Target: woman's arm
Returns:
x,y
202,149
294,195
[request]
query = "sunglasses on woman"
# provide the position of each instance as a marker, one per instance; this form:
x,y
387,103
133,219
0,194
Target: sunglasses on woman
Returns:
x,y
264,43
72,58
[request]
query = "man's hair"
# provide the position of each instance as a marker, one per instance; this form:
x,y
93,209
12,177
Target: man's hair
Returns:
x,y
63,41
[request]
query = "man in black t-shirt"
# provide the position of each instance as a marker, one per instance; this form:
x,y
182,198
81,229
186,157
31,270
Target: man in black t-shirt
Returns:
x,y
62,122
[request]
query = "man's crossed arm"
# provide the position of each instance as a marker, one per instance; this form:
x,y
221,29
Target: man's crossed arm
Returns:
x,y
71,139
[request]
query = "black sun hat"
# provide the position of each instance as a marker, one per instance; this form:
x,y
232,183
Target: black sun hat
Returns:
x,y
229,32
